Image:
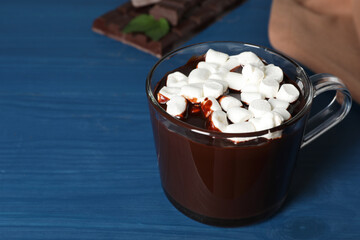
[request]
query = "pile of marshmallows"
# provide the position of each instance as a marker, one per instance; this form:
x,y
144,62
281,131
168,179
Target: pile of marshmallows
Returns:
x,y
258,84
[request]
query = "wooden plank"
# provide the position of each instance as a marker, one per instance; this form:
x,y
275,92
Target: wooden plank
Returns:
x,y
77,158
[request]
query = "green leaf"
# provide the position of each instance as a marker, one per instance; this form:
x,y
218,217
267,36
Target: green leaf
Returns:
x,y
161,29
147,24
141,23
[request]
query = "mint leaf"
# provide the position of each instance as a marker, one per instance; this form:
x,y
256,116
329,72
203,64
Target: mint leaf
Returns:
x,y
141,23
160,29
147,24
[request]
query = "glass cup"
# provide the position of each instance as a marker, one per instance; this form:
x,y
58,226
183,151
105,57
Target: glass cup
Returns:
x,y
216,181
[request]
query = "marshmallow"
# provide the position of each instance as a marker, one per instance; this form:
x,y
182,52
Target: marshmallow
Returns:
x,y
192,92
198,75
276,103
278,119
167,93
273,135
218,76
259,107
248,97
236,80
223,83
218,120
212,67
231,63
176,79
222,70
243,127
250,87
228,102
213,89
274,72
269,87
199,85
176,106
210,105
266,121
213,56
288,93
252,73
249,58
283,113
238,114
262,123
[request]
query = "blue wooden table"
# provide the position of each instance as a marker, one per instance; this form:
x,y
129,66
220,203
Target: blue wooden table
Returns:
x,y
77,157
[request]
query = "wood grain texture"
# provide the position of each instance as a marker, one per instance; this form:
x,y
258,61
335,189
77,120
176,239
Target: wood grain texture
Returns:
x,y
77,158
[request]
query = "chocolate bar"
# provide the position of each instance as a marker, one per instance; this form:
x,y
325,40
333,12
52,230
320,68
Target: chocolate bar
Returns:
x,y
186,18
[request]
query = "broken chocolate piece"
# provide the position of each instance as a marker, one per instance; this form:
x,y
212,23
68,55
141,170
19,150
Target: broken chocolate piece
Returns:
x,y
185,28
123,9
202,17
187,17
142,3
171,13
177,3
214,5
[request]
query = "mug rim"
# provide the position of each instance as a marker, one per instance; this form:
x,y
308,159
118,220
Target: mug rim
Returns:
x,y
308,97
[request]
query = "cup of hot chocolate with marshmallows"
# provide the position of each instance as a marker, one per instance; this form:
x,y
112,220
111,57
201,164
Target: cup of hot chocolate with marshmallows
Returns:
x,y
228,121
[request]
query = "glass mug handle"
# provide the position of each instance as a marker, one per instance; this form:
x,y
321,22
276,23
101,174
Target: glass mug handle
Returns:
x,y
334,112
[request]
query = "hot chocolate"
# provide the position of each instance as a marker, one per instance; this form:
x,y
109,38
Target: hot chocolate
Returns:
x,y
221,180
228,129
